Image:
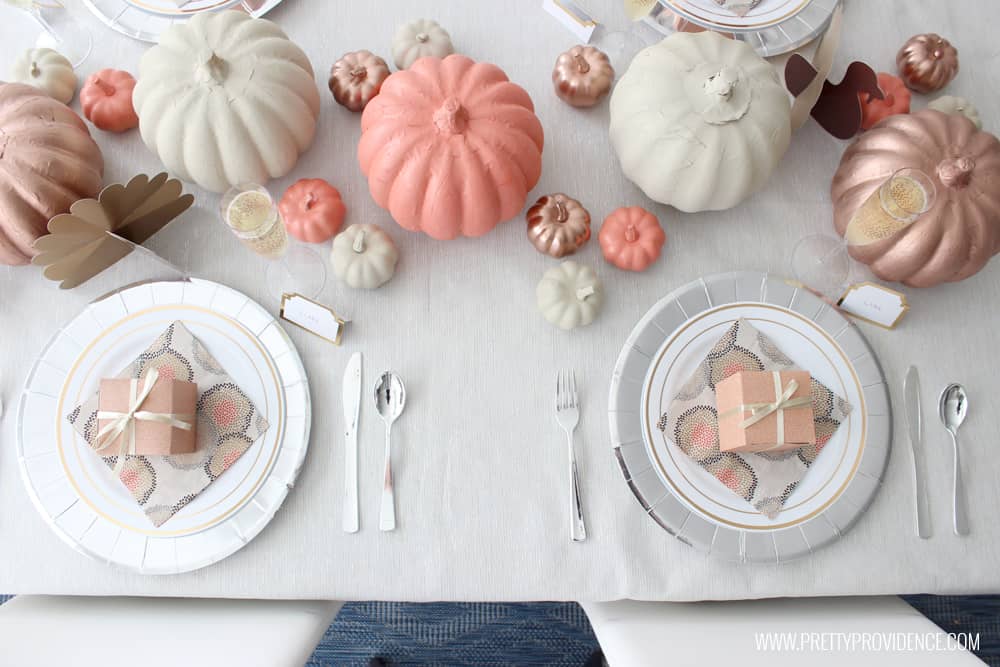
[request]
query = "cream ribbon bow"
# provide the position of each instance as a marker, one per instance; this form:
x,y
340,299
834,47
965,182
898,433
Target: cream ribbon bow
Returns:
x,y
123,423
783,400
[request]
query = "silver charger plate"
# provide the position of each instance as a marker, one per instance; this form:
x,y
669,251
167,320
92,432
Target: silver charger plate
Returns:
x,y
774,27
146,19
75,491
662,350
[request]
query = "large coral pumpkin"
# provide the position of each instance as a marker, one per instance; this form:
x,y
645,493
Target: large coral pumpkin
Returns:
x,y
47,162
451,147
961,231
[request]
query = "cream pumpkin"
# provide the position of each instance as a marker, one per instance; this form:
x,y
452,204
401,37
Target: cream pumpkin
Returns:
x,y
451,147
47,70
50,162
364,256
420,39
699,121
570,295
226,99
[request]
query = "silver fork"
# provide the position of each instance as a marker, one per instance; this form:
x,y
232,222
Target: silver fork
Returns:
x,y
568,416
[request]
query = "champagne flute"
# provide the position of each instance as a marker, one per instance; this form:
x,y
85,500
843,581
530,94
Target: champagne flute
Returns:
x,y
252,215
823,262
60,31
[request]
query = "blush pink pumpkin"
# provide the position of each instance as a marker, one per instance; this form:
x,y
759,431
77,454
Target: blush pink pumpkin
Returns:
x,y
631,238
106,100
312,210
451,147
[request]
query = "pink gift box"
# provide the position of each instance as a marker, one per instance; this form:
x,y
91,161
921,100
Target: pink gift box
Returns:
x,y
758,387
171,397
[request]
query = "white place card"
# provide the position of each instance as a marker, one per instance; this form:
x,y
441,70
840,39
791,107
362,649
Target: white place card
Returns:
x,y
873,303
313,317
573,17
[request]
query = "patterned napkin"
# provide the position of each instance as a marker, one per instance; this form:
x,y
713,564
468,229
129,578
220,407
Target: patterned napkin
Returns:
x,y
764,480
228,423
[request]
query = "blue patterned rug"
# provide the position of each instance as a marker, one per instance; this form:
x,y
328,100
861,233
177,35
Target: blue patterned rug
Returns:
x,y
544,633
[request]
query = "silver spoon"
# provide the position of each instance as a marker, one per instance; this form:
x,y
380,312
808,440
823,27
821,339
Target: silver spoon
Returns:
x,y
953,407
390,398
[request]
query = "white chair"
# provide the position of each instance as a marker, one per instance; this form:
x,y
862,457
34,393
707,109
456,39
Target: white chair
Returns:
x,y
653,634
124,632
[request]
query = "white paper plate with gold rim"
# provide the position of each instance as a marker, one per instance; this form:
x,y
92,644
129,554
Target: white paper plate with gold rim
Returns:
x,y
772,27
77,493
146,19
663,350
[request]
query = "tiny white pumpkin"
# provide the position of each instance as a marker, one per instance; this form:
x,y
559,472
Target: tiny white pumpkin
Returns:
x,y
419,39
364,256
957,105
570,295
226,99
47,70
700,121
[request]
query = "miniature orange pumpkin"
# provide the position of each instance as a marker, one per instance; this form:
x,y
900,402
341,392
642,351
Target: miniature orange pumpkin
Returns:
x,y
106,100
896,101
451,147
312,210
631,238
50,162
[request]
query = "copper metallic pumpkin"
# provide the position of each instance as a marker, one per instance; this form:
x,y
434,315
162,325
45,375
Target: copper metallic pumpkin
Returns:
x,y
583,76
961,231
558,225
927,62
49,161
356,78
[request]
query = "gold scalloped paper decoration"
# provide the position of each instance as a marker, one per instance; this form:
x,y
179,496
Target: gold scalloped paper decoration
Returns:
x,y
96,233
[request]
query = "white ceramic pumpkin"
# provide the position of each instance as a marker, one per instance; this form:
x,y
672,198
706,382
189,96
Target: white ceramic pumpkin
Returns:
x,y
957,105
570,295
419,39
47,70
700,121
364,256
226,99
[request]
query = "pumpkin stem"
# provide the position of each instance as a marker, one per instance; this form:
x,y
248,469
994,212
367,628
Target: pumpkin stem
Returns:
x,y
583,292
423,37
359,242
562,215
631,233
451,117
212,69
359,74
956,172
722,83
36,71
310,200
104,86
582,66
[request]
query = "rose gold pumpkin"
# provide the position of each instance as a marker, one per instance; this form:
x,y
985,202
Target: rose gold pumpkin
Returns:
x,y
356,78
927,62
582,76
49,161
961,231
558,225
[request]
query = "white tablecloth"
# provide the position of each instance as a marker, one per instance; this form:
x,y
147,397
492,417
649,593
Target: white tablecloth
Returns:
x,y
481,474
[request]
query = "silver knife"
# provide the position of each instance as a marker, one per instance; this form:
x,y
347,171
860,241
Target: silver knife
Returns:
x,y
352,406
914,425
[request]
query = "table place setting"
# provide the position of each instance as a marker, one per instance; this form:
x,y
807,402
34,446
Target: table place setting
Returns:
x,y
781,266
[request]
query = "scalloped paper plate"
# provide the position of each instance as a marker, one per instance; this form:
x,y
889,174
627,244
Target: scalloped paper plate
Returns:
x,y
661,353
77,493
